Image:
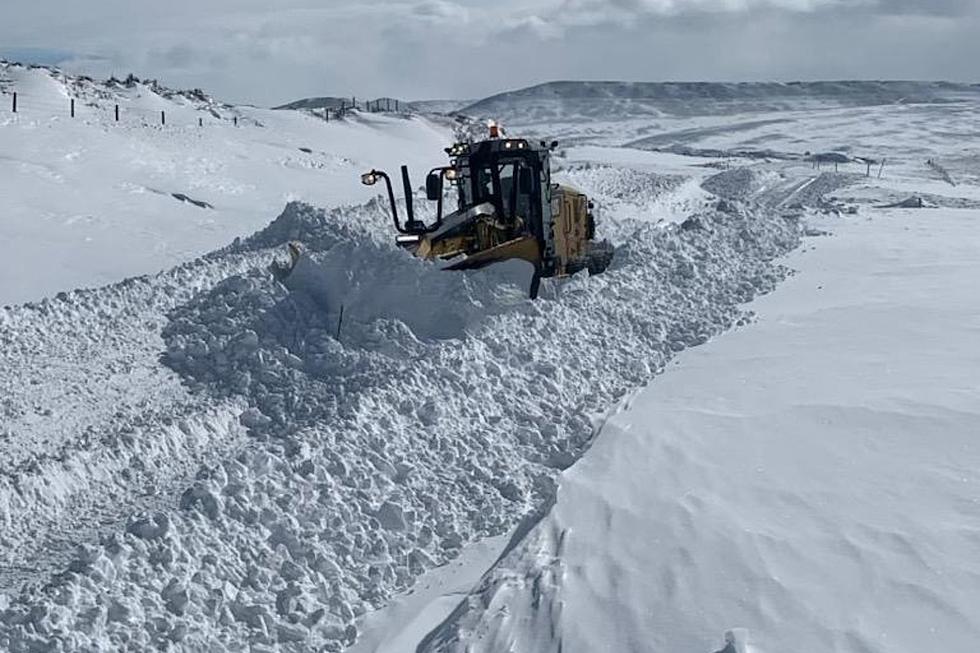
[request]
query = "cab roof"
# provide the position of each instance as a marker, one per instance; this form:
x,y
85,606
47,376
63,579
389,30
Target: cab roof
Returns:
x,y
499,146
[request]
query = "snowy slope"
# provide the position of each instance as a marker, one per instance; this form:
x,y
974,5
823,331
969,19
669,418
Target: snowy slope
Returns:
x,y
89,201
890,120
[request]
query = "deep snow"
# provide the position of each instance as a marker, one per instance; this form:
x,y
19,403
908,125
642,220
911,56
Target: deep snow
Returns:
x,y
194,459
811,479
374,458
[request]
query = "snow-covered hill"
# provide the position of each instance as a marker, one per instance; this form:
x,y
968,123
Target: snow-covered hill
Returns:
x,y
89,201
199,458
618,100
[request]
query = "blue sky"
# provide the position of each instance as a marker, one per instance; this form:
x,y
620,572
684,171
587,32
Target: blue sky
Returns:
x,y
271,51
36,55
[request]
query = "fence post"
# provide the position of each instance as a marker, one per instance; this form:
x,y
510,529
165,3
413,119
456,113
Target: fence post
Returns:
x,y
117,113
73,107
163,118
396,106
235,118
200,122
15,101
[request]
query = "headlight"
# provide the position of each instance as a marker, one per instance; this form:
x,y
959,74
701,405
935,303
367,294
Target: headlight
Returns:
x,y
450,174
369,178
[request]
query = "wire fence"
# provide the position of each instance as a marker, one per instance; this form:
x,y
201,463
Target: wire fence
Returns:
x,y
124,112
381,105
111,111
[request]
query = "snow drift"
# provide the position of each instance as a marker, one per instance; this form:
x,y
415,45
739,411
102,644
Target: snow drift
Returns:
x,y
812,478
373,457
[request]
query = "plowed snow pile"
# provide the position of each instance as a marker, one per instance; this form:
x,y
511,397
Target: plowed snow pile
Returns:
x,y
740,183
441,415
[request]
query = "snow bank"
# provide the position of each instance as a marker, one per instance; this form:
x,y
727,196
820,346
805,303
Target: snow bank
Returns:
x,y
812,478
372,458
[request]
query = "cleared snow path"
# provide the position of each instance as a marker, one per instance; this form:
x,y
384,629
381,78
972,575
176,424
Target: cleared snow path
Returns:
x,y
813,478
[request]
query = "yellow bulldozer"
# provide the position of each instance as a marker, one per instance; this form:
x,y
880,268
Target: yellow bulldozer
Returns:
x,y
507,208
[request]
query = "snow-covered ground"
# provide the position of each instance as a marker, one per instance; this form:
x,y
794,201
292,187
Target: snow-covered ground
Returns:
x,y
194,459
88,201
812,478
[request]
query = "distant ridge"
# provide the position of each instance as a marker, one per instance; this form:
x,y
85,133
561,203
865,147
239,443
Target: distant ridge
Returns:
x,y
593,99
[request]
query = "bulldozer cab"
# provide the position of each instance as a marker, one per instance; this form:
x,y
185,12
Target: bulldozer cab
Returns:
x,y
506,208
510,176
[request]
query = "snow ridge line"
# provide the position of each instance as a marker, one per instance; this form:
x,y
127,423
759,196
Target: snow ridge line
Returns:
x,y
488,606
340,500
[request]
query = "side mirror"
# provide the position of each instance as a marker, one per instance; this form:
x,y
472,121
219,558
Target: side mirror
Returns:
x,y
525,181
433,185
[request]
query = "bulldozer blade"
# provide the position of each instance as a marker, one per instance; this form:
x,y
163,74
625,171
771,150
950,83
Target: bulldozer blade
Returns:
x,y
525,248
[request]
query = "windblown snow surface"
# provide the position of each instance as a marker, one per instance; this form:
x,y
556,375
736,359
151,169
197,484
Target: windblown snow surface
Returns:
x,y
797,483
205,458
441,415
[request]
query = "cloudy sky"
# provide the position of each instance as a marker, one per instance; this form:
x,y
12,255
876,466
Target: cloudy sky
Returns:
x,y
271,51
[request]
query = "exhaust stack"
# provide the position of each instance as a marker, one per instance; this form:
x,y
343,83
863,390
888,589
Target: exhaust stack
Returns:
x,y
409,208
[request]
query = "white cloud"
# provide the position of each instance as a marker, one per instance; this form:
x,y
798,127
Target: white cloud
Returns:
x,y
597,12
254,50
442,10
